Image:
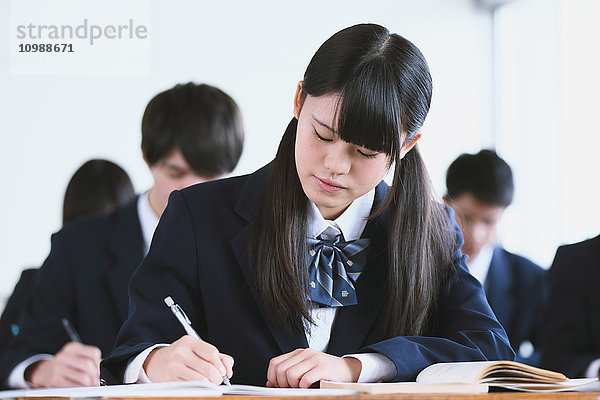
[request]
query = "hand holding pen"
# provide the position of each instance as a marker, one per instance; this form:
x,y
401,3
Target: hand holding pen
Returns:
x,y
75,364
189,358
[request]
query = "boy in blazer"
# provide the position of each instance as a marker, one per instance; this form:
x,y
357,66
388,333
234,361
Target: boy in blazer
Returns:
x,y
190,134
479,188
571,342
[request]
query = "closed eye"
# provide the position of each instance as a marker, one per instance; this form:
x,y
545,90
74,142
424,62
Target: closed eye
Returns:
x,y
321,137
368,155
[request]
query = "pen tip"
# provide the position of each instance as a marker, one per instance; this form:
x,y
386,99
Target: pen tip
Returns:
x,y
169,301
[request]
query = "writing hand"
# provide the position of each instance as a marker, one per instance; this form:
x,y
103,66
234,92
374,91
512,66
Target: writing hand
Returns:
x,y
75,364
188,359
303,367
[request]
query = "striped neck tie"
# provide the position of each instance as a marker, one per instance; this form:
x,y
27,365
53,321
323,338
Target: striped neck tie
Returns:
x,y
335,266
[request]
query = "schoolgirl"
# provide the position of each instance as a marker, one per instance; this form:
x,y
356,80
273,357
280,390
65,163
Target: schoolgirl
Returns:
x,y
312,268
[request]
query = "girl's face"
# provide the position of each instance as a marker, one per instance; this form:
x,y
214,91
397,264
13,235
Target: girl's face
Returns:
x,y
333,173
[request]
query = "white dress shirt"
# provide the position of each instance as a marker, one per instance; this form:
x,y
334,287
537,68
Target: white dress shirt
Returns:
x,y
479,266
351,223
593,369
148,222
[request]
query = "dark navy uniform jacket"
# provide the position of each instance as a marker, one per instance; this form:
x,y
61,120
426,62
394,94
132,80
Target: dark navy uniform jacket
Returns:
x,y
9,322
515,288
84,279
571,339
199,257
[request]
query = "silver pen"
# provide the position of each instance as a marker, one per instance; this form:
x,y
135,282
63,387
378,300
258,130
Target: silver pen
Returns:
x,y
187,324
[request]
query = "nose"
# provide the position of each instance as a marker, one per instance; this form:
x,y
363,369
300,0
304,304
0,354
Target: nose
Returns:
x,y
475,237
478,233
337,159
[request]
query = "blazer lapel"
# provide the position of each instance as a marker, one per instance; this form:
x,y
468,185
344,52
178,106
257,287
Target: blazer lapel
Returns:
x,y
247,207
125,247
498,287
353,324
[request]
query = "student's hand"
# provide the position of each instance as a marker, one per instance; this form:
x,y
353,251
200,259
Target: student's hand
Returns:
x,y
75,364
303,367
188,359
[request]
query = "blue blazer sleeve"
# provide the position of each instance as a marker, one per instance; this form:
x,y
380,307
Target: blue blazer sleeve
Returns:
x,y
467,329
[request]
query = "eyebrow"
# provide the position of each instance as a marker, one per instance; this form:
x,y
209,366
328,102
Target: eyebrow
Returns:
x,y
176,167
323,124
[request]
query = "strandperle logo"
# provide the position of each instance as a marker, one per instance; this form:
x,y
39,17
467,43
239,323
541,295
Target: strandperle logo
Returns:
x,y
83,31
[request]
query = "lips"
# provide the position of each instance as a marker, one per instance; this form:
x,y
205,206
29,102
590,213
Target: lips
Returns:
x,y
328,185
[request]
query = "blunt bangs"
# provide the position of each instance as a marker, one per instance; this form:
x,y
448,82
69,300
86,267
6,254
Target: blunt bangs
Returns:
x,y
369,111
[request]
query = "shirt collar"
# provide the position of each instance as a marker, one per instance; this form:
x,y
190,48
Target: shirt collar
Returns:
x,y
480,265
148,220
351,223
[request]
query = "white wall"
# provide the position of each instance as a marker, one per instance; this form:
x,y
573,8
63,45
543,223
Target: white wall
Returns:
x,y
256,51
547,122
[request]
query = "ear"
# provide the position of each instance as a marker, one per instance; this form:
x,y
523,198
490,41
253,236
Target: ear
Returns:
x,y
447,200
407,146
298,100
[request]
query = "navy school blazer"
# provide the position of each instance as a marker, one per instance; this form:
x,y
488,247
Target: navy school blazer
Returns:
x,y
84,279
571,339
9,322
515,289
199,257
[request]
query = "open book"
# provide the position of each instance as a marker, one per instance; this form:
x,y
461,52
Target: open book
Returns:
x,y
475,377
187,389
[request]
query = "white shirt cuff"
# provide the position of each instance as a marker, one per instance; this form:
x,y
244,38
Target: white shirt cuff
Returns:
x,y
16,379
593,369
375,367
134,373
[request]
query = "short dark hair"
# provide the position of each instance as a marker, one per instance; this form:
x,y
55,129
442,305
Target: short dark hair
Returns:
x,y
98,186
484,175
201,121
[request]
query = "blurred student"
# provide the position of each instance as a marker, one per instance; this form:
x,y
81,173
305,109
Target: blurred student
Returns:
x,y
190,134
479,188
571,340
98,186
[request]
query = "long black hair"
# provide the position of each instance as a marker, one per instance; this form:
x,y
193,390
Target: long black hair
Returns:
x,y
385,91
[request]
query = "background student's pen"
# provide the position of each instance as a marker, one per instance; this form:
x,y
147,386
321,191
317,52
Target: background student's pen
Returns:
x,y
187,324
73,335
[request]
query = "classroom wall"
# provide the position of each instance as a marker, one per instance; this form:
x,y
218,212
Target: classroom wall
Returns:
x,y
256,51
521,77
546,117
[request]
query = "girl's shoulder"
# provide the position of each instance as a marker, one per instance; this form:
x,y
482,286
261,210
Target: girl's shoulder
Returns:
x,y
235,191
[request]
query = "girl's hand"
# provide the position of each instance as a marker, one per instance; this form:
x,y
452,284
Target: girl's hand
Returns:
x,y
303,367
188,359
